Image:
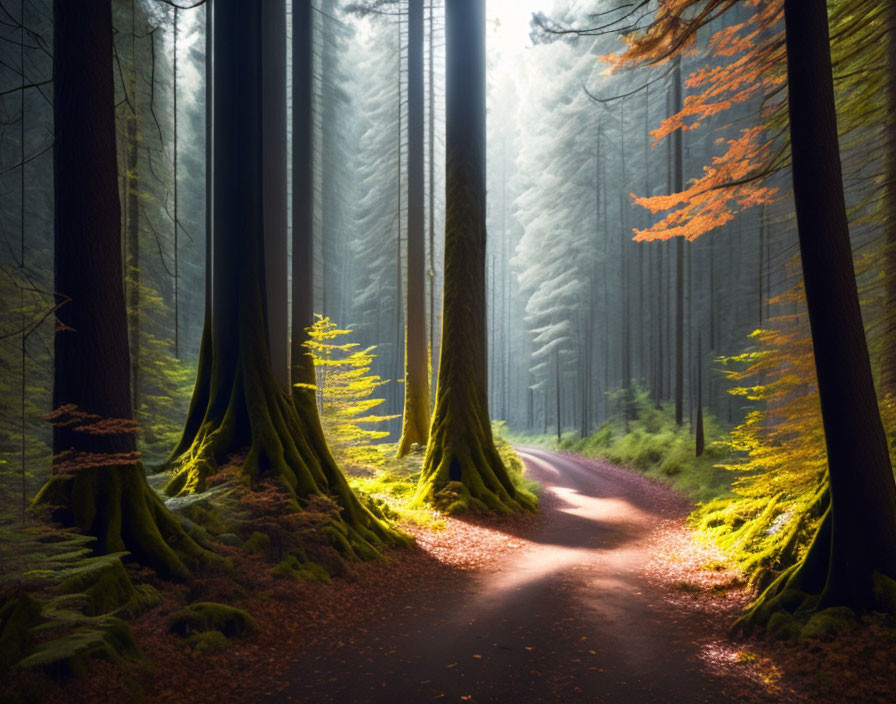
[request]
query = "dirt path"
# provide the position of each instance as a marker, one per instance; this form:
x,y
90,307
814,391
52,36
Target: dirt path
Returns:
x,y
568,616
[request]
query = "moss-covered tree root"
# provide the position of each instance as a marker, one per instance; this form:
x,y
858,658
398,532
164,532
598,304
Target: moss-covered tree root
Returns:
x,y
261,417
117,506
463,470
817,585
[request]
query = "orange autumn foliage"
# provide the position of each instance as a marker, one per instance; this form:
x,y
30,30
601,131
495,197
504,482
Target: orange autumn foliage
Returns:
x,y
710,201
751,55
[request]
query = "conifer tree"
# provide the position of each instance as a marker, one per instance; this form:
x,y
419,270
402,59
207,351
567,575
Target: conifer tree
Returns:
x,y
98,484
247,408
461,454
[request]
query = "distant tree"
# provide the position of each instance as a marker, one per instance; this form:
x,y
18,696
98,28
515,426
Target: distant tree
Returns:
x,y
415,424
461,451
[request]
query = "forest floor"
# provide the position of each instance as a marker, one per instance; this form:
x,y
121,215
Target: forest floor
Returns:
x,y
604,596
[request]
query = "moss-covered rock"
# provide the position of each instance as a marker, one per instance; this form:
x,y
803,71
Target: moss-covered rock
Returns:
x,y
884,594
209,616
108,588
209,642
828,623
783,626
231,539
258,543
18,615
292,568
106,638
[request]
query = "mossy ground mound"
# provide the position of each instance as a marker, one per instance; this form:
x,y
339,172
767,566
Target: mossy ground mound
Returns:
x,y
205,616
108,588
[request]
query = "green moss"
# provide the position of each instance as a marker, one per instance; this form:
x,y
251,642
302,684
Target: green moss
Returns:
x,y
454,498
783,626
258,543
209,616
292,568
828,623
106,638
884,594
108,588
209,642
205,516
18,616
231,539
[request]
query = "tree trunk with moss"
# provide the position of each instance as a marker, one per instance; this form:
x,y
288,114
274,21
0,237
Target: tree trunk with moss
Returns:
x,y
98,484
415,425
852,560
888,357
462,468
302,195
247,409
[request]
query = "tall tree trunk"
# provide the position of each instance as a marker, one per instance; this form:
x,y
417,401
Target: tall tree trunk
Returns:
x,y
202,385
23,343
677,187
461,452
132,219
273,154
699,435
852,560
432,193
302,193
176,201
415,425
888,358
557,392
98,484
247,407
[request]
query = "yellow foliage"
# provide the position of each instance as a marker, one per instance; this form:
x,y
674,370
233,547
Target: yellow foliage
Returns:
x,y
345,389
778,452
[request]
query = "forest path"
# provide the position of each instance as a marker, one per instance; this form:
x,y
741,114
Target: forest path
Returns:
x,y
569,616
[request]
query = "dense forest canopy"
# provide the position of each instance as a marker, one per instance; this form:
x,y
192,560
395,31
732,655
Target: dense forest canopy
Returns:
x,y
287,287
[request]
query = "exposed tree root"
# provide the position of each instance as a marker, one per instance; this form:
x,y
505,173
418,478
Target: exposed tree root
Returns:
x,y
118,507
463,471
261,417
816,585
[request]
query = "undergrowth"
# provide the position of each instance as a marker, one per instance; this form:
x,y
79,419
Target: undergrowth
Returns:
x,y
657,447
392,484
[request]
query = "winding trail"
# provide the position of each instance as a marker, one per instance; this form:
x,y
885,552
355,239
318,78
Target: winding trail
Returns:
x,y
568,617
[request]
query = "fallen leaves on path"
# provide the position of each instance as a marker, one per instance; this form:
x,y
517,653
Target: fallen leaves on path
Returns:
x,y
295,618
858,666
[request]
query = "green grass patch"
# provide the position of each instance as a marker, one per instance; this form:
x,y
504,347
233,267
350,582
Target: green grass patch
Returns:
x,y
654,445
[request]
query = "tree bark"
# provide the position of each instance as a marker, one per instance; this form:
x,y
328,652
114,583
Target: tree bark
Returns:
x,y
852,560
302,193
415,425
132,221
461,452
888,361
247,407
677,187
273,130
98,483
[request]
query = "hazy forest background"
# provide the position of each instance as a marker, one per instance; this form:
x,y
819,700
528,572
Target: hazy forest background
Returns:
x,y
645,301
